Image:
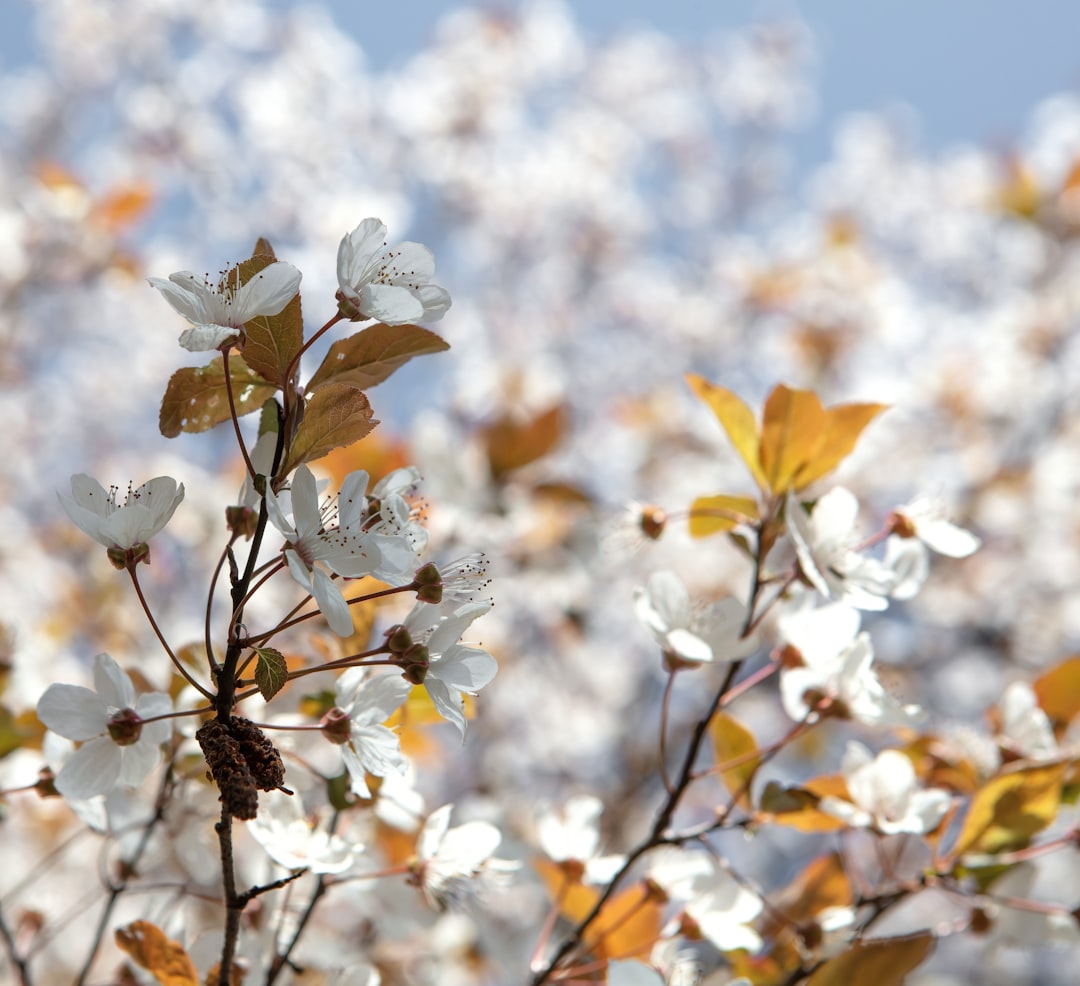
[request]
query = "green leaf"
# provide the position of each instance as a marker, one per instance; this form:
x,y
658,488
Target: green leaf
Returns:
x,y
271,341
335,415
368,357
195,398
271,673
339,791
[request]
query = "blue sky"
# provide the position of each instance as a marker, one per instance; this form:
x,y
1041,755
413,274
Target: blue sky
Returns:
x,y
970,69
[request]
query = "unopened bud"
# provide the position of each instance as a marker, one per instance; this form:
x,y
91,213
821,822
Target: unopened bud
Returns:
x,y
241,521
398,639
652,522
415,663
429,584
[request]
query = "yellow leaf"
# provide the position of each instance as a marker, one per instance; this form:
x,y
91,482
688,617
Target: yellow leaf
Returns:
x,y
884,962
1058,691
792,432
163,958
737,420
1011,808
734,744
797,807
844,423
712,514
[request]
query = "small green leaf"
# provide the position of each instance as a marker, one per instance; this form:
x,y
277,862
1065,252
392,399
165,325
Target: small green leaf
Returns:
x,y
339,791
195,398
335,415
271,672
368,357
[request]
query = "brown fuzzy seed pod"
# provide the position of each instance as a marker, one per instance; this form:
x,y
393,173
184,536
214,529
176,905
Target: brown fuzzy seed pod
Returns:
x,y
229,769
262,757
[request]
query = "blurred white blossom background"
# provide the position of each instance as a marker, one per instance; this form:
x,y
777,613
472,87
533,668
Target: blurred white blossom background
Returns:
x,y
610,209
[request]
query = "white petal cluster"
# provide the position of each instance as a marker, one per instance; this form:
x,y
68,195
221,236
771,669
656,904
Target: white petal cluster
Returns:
x,y
920,527
824,542
573,834
391,284
91,717
451,861
217,312
834,662
145,511
295,840
454,669
885,794
314,544
712,634
372,748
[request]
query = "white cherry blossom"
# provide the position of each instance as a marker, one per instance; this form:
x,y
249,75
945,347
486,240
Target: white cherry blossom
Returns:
x,y
573,835
450,861
217,312
118,746
367,702
1025,727
712,634
391,284
296,841
885,794
825,657
300,518
825,545
145,511
453,669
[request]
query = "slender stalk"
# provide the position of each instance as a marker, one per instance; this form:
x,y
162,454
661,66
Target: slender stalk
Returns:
x,y
116,889
177,663
233,415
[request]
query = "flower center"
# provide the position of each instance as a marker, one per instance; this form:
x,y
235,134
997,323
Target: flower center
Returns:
x,y
125,727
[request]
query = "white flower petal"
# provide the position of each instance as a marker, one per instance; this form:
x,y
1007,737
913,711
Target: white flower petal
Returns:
x,y
72,711
91,770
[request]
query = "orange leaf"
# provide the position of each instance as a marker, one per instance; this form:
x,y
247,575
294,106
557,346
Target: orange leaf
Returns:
x,y
1011,808
885,962
163,958
733,743
823,883
335,416
712,514
628,925
1058,691
844,423
792,432
123,206
512,443
737,420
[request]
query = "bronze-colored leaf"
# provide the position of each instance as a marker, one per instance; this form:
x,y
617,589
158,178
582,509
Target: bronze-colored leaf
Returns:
x,y
271,341
368,357
195,398
885,962
513,443
336,415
